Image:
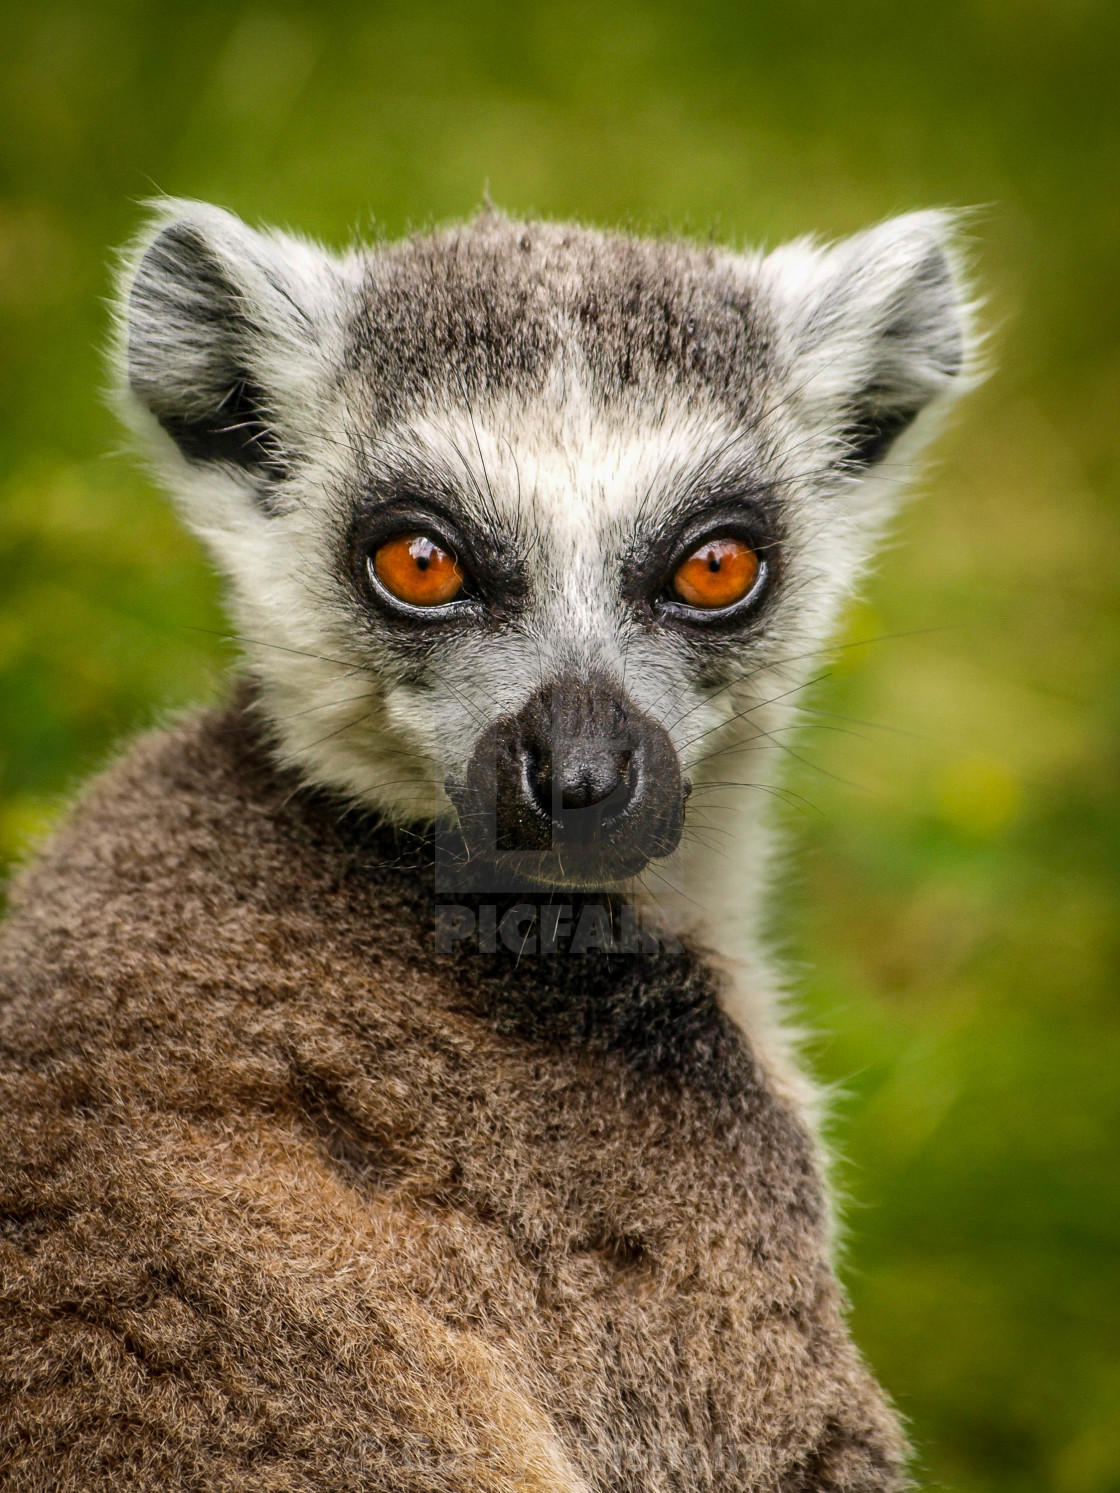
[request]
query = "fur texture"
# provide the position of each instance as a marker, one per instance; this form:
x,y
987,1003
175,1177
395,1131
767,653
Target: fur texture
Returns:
x,y
291,1201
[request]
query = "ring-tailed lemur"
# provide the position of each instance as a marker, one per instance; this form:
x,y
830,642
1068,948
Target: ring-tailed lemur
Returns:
x,y
360,1140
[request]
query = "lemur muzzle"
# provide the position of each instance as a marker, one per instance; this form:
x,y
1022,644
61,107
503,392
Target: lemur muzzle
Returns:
x,y
578,784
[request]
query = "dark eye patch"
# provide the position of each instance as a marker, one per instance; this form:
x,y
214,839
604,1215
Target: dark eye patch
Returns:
x,y
653,560
495,579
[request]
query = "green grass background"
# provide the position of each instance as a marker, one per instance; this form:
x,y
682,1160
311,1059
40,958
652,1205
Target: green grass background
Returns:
x,y
953,901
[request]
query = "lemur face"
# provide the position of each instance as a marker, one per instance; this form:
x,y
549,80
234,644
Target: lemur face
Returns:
x,y
526,527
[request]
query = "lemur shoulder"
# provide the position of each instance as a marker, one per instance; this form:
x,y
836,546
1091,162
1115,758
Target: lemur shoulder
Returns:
x,y
532,535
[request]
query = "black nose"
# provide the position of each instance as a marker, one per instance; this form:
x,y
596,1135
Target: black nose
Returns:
x,y
564,775
579,785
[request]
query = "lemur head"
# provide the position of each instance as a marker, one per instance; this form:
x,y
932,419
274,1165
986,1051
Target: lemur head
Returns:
x,y
528,526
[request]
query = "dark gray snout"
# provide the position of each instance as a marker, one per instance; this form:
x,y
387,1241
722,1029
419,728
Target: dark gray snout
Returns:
x,y
580,787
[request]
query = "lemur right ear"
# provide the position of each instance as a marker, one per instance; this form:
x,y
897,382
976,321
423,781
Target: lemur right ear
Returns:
x,y
227,334
874,329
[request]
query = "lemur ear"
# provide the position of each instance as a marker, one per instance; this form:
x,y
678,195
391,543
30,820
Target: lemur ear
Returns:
x,y
227,334
874,329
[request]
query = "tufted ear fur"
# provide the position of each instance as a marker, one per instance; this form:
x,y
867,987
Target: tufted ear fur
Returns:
x,y
873,330
228,339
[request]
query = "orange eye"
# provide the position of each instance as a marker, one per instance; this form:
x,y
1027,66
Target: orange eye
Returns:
x,y
718,574
414,568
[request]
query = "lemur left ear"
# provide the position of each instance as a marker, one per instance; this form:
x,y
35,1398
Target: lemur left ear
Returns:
x,y
873,329
227,336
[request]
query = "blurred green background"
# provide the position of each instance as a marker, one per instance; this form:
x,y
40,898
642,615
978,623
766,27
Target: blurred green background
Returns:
x,y
953,905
